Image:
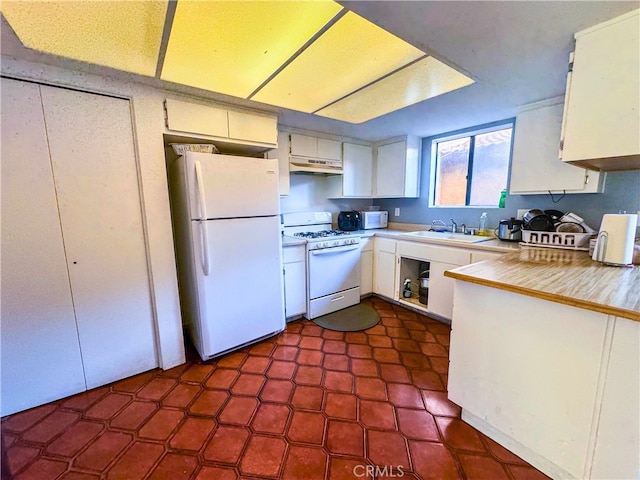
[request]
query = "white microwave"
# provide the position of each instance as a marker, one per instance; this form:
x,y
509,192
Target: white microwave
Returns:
x,y
374,219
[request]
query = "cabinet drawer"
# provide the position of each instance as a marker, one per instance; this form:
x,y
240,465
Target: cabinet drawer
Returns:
x,y
385,245
432,252
333,303
293,254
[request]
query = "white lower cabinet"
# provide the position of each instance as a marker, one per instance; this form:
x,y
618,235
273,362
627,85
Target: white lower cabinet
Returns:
x,y
384,267
76,301
295,280
366,265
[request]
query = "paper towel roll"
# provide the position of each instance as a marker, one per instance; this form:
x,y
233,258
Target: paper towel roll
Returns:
x,y
615,239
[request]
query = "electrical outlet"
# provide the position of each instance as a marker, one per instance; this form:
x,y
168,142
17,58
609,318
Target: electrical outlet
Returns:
x,y
521,212
397,212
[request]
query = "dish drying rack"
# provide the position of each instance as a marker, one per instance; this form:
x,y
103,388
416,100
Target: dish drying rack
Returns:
x,y
564,240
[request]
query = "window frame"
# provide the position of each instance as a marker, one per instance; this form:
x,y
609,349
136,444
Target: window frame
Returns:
x,y
471,132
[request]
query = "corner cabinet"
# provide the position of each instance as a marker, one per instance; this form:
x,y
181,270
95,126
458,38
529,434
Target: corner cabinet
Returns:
x,y
535,166
397,168
282,155
601,122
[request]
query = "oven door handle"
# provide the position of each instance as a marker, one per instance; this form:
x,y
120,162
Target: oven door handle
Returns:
x,y
332,250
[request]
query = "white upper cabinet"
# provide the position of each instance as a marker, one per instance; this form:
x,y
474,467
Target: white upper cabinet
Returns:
x,y
397,168
602,122
535,166
357,179
282,155
314,147
252,127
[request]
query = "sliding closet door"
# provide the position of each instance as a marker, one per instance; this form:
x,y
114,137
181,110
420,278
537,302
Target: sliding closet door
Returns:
x,y
40,358
92,151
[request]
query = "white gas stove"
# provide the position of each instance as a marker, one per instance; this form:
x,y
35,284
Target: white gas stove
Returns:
x,y
333,262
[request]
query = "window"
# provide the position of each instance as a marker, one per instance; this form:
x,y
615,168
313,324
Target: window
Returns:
x,y
471,169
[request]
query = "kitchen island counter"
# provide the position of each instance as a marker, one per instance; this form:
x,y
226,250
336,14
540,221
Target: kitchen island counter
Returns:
x,y
562,276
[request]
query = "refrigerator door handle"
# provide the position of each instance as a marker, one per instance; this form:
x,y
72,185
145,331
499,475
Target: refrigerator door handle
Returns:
x,y
203,224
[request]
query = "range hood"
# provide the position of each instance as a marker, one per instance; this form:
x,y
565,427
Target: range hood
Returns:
x,y
315,165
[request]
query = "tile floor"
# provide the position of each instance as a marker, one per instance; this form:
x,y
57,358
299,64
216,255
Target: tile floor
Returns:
x,y
309,404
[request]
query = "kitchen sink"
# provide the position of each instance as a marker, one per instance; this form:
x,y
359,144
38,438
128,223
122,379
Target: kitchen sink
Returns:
x,y
454,237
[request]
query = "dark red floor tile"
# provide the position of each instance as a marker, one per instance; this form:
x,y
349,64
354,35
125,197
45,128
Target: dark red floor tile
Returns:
x,y
271,418
175,466
133,384
380,341
311,330
374,414
296,327
477,467
84,400
136,462
397,332
338,381
108,406
415,325
290,339
50,426
443,339
248,384
336,362
19,456
304,463
377,330
307,375
420,336
370,388
276,391
502,453
287,353
193,434
387,448
334,346
402,395
438,404
359,351
216,473
433,349
307,398
459,434
311,343
134,415
232,360
364,367
238,410
356,337
394,373
196,373
226,445
74,439
208,402
520,472
432,461
306,427
281,369
156,388
417,424
263,349
255,365
407,316
390,321
263,456
341,405
222,378
440,364
406,345
332,335
348,468
309,357
426,380
181,395
415,360
102,451
386,355
161,424
20,422
345,438
42,469
175,372
438,328
74,475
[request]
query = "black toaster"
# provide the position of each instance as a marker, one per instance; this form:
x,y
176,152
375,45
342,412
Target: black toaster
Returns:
x,y
349,220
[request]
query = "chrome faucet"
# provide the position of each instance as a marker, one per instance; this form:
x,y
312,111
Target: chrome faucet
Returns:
x,y
454,226
437,222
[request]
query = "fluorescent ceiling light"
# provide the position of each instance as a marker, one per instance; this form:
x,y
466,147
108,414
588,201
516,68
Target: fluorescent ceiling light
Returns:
x,y
420,81
124,35
232,47
351,53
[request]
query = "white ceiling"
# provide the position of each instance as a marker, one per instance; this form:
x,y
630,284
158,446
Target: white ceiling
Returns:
x,y
517,52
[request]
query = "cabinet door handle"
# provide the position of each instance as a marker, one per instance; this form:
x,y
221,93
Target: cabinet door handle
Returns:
x,y
337,298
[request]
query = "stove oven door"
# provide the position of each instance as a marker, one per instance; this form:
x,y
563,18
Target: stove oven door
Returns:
x,y
333,270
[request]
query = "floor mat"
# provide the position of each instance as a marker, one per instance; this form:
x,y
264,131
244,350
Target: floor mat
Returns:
x,y
351,319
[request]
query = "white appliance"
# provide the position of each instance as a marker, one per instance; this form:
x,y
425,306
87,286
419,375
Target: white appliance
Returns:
x,y
373,219
333,262
229,249
614,245
315,165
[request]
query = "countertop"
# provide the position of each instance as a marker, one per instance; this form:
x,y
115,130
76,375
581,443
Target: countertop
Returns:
x,y
562,276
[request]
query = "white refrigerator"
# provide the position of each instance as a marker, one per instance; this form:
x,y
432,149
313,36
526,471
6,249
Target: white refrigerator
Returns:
x,y
226,221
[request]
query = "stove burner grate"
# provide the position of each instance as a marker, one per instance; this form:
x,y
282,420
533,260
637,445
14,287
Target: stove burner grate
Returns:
x,y
322,234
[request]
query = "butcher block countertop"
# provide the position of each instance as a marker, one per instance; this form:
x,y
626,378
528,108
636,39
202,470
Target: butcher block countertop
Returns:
x,y
562,276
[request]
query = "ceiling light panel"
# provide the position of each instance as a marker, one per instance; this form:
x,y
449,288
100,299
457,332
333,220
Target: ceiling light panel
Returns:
x,y
350,54
125,35
232,47
424,79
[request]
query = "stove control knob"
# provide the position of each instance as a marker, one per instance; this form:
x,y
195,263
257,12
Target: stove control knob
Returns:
x,y
336,243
